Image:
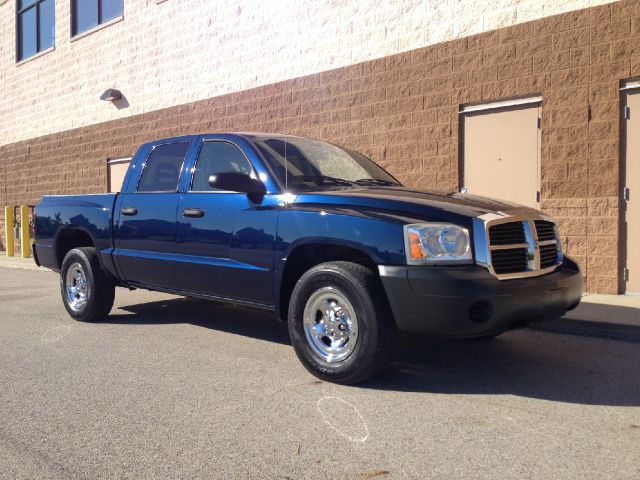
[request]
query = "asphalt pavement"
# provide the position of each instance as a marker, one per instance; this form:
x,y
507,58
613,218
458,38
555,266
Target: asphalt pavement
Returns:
x,y
178,388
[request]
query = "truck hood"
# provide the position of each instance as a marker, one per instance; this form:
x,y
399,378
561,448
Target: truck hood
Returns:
x,y
412,203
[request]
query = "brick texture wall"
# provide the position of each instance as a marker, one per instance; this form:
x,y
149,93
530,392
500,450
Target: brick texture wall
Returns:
x,y
402,111
178,51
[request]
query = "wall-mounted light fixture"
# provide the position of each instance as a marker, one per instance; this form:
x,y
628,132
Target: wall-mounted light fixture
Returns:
x,y
111,95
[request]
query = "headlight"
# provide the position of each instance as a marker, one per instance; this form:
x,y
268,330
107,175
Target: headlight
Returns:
x,y
428,243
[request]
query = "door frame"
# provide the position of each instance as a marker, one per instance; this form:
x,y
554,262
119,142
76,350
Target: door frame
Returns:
x,y
631,85
116,161
496,105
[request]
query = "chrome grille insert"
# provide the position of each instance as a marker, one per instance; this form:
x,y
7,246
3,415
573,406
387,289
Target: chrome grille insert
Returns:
x,y
517,246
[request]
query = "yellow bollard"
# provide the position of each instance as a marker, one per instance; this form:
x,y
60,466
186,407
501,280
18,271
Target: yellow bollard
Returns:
x,y
25,241
8,231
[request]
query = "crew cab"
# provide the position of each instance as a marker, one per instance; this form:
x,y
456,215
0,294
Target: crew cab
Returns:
x,y
318,234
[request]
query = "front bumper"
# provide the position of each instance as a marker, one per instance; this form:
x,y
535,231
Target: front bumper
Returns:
x,y
35,254
469,302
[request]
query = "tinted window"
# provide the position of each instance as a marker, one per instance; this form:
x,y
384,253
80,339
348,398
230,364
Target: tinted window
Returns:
x,y
162,169
46,23
90,13
218,157
85,15
303,164
36,27
110,9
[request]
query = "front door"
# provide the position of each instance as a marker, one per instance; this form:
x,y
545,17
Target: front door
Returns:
x,y
225,241
632,191
501,153
146,219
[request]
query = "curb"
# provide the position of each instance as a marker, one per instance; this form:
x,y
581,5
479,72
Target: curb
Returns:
x,y
22,265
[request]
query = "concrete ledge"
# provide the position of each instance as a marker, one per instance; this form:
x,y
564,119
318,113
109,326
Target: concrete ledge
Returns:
x,y
19,262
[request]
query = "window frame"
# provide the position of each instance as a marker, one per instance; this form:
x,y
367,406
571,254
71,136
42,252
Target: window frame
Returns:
x,y
197,157
146,160
101,23
19,12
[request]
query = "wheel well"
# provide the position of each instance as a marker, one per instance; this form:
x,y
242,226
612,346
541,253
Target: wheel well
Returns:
x,y
69,239
307,256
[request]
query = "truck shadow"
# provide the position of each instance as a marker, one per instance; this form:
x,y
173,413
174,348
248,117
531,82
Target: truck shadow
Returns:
x,y
207,314
527,363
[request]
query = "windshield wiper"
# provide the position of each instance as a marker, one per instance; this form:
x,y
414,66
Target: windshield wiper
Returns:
x,y
324,179
375,181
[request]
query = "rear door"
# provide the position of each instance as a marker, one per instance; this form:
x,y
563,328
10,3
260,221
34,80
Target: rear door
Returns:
x,y
145,234
225,241
501,152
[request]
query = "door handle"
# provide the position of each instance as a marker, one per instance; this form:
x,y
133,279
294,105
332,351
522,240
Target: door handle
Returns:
x,y
129,211
193,212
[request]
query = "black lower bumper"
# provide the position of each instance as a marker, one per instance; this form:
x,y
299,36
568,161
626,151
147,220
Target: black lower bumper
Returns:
x,y
34,252
469,301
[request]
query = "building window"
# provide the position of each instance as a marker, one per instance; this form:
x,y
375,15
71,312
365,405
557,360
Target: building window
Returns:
x,y
87,14
36,27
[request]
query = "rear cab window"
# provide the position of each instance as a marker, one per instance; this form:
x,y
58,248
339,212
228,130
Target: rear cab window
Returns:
x,y
161,172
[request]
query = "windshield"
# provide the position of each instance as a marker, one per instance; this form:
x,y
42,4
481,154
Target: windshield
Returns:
x,y
312,163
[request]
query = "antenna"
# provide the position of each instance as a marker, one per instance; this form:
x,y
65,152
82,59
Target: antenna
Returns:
x,y
286,165
286,168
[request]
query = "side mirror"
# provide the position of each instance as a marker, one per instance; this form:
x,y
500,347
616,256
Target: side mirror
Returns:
x,y
238,182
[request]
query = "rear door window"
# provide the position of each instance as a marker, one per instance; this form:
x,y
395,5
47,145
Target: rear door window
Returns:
x,y
162,168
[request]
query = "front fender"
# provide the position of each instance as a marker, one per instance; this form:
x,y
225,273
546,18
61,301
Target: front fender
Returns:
x,y
379,239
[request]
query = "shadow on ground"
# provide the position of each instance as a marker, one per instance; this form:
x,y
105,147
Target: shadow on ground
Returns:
x,y
605,313
598,320
207,314
527,363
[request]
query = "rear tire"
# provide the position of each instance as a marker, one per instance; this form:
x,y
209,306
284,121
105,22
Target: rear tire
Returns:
x,y
340,323
87,291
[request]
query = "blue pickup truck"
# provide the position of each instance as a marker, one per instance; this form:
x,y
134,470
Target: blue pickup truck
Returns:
x,y
314,232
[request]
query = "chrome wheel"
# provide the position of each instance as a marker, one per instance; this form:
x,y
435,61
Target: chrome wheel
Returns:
x,y
330,324
75,283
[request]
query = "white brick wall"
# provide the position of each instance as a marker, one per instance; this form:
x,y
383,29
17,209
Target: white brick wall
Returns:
x,y
178,51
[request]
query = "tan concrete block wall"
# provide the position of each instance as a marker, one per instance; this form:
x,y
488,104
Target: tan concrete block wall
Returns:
x,y
178,51
402,110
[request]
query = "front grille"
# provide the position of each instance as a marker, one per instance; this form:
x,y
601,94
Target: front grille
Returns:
x,y
509,260
546,230
548,255
507,233
523,247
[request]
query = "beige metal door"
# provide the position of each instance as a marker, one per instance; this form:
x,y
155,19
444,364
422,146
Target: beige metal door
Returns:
x,y
501,153
632,191
117,171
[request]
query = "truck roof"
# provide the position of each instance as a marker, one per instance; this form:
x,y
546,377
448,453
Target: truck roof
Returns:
x,y
227,135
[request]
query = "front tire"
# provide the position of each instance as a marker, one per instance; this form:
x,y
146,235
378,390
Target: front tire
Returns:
x,y
340,323
87,292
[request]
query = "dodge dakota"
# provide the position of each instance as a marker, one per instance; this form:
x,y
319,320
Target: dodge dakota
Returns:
x,y
319,234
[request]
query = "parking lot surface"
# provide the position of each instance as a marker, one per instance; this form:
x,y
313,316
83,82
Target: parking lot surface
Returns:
x,y
169,387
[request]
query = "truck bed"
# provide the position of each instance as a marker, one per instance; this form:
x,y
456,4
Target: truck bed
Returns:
x,y
92,214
